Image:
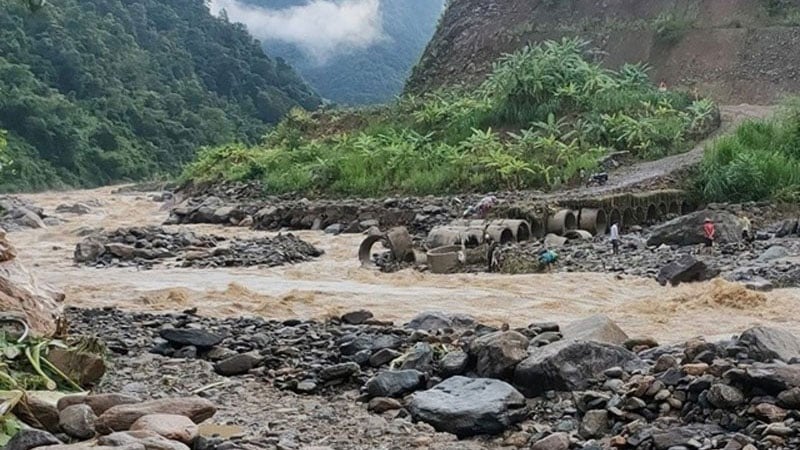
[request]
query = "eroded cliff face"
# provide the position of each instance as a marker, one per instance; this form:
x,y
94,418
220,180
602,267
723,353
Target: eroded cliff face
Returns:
x,y
734,50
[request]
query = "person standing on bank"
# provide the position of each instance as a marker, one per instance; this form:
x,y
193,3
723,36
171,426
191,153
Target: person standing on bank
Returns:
x,y
614,238
709,233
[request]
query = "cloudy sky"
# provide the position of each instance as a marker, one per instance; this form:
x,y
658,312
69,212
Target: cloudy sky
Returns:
x,y
321,28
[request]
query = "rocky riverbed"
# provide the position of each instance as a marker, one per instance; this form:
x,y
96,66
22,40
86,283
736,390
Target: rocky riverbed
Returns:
x,y
143,247
356,382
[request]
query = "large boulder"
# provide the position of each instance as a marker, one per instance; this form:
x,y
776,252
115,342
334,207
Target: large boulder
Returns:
x,y
685,270
22,295
766,344
469,406
430,321
570,365
597,328
88,250
496,354
24,217
688,229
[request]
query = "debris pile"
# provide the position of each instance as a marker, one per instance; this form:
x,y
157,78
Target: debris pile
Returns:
x,y
145,247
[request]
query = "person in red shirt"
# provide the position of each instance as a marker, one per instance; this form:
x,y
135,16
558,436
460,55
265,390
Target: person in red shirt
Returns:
x,y
709,232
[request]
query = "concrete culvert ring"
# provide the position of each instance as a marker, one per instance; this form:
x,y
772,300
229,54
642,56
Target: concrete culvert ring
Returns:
x,y
686,208
663,210
520,229
593,220
538,228
500,233
674,209
641,215
444,259
365,249
561,222
628,217
523,232
652,214
615,217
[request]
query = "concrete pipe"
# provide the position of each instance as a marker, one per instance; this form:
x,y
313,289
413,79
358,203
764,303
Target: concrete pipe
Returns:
x,y
593,220
400,244
521,229
448,235
500,233
652,214
628,218
663,210
365,249
674,209
615,217
561,222
444,259
578,235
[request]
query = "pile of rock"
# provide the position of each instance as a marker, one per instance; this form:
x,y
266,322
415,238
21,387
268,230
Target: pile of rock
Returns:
x,y
334,216
17,214
144,247
77,422
586,385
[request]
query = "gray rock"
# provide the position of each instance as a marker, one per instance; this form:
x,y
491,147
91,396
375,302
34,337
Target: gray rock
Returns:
x,y
597,328
383,356
419,357
790,398
180,337
357,317
453,363
766,344
88,250
469,406
430,321
688,229
394,383
685,270
30,438
497,354
556,441
385,341
554,241
773,378
682,436
570,365
77,208
773,253
339,371
27,218
594,424
380,405
724,396
334,229
147,440
238,365
122,251
787,227
78,421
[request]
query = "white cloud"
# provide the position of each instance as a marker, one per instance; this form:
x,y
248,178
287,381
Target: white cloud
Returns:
x,y
321,28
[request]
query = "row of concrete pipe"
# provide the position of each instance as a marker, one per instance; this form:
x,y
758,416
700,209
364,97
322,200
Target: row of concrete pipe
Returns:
x,y
598,220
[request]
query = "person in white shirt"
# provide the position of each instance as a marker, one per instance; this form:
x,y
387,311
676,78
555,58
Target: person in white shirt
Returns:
x,y
614,238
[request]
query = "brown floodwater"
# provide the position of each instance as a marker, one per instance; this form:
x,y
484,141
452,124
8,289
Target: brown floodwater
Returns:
x,y
336,283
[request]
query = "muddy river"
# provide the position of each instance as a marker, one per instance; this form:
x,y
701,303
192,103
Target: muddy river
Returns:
x,y
336,283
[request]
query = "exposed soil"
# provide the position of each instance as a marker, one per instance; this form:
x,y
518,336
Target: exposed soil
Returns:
x,y
731,50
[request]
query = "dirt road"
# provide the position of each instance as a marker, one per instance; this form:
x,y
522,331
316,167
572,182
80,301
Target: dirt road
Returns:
x,y
335,284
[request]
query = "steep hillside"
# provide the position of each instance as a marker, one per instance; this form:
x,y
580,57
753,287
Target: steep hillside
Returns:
x,y
734,50
374,73
95,91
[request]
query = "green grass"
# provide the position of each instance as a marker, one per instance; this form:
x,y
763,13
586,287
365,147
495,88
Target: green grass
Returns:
x,y
760,161
543,116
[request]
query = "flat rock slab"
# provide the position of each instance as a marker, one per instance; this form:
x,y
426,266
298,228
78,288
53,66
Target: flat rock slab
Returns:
x,y
469,406
170,426
182,337
121,417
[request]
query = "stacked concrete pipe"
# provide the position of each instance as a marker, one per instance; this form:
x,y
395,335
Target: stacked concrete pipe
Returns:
x,y
561,222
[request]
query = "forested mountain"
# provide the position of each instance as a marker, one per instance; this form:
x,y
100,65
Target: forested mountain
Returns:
x,y
94,91
371,74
